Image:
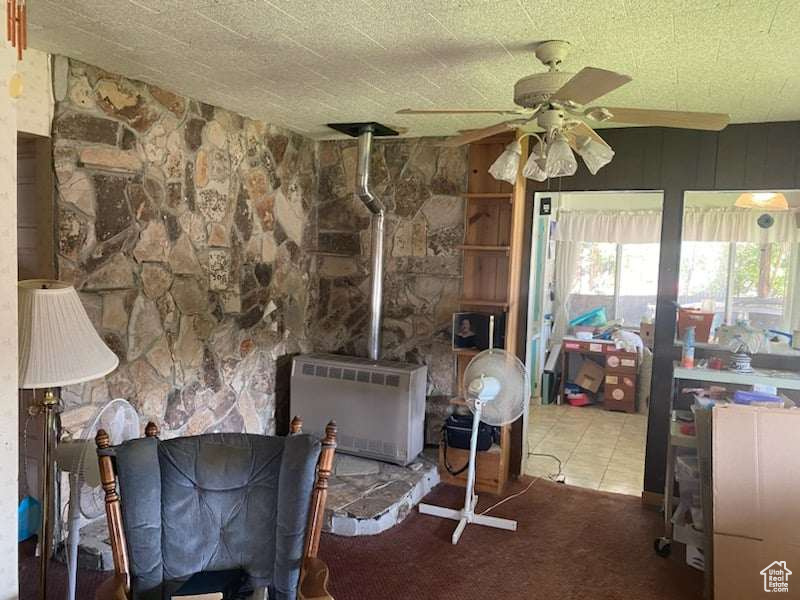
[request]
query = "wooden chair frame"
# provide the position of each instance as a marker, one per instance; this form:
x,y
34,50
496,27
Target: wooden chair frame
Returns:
x,y
314,572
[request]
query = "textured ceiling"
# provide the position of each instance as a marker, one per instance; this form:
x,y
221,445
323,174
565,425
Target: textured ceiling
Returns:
x,y
302,63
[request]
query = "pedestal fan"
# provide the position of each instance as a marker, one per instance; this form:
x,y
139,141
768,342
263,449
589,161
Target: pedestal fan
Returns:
x,y
495,393
78,457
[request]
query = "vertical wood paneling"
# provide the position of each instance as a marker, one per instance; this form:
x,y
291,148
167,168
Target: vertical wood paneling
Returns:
x,y
706,160
668,277
628,163
679,163
652,148
755,164
782,152
731,157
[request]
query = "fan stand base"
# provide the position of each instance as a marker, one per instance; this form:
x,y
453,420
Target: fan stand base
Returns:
x,y
466,516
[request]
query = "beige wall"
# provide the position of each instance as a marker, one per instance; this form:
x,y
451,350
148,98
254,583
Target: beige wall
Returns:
x,y
8,327
35,108
31,113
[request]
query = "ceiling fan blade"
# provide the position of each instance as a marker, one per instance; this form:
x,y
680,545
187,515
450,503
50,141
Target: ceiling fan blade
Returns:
x,y
397,128
669,118
474,135
590,83
581,129
461,111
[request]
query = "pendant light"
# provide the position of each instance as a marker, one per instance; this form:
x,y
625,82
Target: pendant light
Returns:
x,y
762,201
535,165
594,154
560,160
507,164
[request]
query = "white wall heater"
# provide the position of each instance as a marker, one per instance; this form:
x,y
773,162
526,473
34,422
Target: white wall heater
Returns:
x,y
378,406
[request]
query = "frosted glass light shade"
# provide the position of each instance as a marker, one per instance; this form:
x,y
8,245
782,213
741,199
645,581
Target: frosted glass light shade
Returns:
x,y
762,201
507,164
560,161
594,154
58,345
534,167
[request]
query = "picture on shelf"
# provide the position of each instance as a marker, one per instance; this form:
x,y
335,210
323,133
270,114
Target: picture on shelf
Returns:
x,y
471,330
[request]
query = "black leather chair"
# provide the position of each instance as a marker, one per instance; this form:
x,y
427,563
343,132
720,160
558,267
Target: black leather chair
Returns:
x,y
213,502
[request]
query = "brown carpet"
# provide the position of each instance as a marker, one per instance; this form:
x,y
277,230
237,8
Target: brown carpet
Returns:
x,y
571,544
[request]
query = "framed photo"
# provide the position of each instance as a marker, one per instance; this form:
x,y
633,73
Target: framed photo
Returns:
x,y
471,330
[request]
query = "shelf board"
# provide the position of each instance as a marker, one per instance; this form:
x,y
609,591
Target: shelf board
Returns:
x,y
677,438
476,302
489,195
480,248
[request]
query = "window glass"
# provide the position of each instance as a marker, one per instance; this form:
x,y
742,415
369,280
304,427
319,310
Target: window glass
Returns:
x,y
704,277
638,283
759,284
594,279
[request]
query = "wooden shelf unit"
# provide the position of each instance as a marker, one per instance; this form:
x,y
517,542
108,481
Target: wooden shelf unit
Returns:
x,y
486,285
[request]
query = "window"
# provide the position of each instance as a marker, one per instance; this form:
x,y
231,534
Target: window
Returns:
x,y
737,280
622,278
594,279
638,284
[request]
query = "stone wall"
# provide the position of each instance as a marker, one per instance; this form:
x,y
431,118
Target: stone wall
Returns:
x,y
419,181
186,229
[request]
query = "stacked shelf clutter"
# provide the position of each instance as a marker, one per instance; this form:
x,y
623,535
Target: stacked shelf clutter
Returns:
x,y
488,216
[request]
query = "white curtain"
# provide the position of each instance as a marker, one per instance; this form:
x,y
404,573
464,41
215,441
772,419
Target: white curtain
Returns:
x,y
737,225
614,226
566,268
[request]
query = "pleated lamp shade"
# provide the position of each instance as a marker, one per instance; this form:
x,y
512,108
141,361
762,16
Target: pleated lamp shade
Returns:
x,y
58,345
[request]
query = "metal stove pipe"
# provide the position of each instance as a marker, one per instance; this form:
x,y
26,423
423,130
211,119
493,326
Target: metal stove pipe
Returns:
x,y
375,206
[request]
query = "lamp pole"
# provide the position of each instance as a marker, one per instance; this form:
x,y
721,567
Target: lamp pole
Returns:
x,y
49,405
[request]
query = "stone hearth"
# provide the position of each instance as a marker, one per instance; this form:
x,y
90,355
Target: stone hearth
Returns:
x,y
367,497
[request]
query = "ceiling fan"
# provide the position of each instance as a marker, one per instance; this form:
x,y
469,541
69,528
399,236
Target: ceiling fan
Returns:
x,y
557,101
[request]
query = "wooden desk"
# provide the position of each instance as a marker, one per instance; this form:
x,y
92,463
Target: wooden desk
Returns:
x,y
618,366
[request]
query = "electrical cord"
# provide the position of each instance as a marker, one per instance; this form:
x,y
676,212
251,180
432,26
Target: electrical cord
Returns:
x,y
511,497
551,477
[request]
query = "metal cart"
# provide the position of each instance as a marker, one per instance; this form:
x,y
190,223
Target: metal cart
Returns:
x,y
683,532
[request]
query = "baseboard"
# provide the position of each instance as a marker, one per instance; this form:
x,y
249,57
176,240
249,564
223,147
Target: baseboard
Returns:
x,y
652,499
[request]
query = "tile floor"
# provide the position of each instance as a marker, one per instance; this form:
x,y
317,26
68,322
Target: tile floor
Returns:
x,y
599,449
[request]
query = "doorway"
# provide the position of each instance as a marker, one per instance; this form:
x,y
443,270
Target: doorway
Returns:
x,y
35,260
592,301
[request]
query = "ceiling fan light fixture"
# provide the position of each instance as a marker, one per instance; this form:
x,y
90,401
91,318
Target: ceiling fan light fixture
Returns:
x,y
506,166
598,113
560,161
534,167
594,154
762,201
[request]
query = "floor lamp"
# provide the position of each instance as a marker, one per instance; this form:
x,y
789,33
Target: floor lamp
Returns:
x,y
58,346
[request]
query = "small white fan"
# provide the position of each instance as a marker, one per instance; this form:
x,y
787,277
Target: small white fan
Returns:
x,y
496,394
78,457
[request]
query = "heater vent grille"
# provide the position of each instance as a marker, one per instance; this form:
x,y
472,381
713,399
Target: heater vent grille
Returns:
x,y
372,377
379,406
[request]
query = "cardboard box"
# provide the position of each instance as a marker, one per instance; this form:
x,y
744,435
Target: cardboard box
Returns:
x,y
756,490
647,331
617,397
701,321
590,376
621,361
